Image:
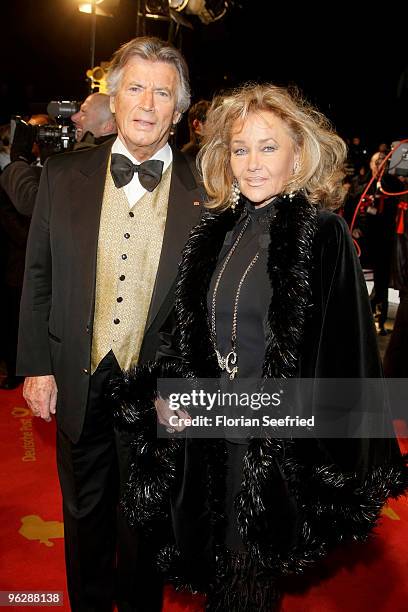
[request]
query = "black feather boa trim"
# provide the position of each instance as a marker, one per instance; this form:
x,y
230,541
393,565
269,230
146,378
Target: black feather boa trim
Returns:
x,y
242,585
333,506
152,460
195,272
290,268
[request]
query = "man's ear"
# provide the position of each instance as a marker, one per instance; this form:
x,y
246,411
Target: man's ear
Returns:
x,y
112,104
176,117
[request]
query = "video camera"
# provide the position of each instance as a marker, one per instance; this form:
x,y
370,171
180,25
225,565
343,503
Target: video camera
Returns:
x,y
58,137
398,164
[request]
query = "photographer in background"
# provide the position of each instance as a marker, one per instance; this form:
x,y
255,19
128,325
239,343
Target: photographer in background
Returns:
x,y
14,228
381,210
20,179
375,229
94,122
19,184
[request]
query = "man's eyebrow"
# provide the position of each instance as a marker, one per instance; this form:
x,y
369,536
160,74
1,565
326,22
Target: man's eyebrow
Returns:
x,y
156,88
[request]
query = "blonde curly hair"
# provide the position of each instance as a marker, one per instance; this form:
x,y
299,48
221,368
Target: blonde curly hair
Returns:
x,y
322,152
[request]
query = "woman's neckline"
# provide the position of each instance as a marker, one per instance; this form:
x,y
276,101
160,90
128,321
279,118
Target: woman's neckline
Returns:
x,y
258,211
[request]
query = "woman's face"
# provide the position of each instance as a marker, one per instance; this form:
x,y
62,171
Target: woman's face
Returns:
x,y
263,156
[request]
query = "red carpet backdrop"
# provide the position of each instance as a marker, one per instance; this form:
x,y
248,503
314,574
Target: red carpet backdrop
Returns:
x,y
359,578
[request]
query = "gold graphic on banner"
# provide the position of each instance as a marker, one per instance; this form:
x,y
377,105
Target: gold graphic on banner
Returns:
x,y
34,528
26,432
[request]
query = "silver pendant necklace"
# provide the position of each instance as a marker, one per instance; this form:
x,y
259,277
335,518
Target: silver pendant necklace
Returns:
x,y
229,363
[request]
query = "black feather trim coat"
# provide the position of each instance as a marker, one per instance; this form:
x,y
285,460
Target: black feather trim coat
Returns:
x,y
319,325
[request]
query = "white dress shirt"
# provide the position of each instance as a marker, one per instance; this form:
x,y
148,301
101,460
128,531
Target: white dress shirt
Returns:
x,y
134,190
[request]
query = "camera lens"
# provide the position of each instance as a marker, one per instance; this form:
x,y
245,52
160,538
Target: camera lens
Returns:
x,y
62,108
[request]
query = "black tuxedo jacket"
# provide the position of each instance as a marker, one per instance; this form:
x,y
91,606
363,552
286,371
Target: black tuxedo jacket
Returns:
x,y
57,304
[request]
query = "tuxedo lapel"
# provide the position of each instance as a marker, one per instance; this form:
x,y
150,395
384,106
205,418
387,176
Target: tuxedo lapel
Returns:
x,y
182,214
87,184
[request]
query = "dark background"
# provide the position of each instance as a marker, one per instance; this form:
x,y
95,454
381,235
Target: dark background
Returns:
x,y
351,66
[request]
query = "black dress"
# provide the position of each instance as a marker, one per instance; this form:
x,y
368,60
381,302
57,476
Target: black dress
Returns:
x,y
252,311
255,294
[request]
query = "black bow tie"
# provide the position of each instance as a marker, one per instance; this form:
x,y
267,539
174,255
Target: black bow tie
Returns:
x,y
122,170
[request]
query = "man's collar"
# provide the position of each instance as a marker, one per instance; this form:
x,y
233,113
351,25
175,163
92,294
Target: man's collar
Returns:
x,y
164,154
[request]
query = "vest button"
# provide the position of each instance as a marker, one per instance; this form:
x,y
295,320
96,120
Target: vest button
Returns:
x,y
122,277
131,214
124,256
119,299
116,321
127,235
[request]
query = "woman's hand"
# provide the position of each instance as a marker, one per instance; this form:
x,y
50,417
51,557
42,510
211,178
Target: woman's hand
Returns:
x,y
164,412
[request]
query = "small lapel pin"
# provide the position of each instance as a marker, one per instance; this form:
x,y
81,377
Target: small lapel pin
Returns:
x,y
196,203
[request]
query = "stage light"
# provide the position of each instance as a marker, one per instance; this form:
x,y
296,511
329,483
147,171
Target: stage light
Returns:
x,y
92,8
178,5
86,7
207,11
157,8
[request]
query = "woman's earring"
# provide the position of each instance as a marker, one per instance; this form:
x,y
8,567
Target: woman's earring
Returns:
x,y
296,167
235,193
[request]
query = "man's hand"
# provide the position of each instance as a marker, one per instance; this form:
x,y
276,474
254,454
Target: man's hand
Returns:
x,y
357,233
22,145
164,413
40,393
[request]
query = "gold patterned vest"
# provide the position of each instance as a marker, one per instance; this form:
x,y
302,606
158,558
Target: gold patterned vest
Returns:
x,y
129,247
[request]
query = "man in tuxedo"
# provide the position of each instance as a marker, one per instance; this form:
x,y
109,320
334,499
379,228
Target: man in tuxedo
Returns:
x,y
104,244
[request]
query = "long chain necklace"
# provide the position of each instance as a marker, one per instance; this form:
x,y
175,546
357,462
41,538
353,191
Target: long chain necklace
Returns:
x,y
230,361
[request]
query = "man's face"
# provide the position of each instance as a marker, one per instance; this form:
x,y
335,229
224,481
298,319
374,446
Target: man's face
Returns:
x,y
87,119
145,106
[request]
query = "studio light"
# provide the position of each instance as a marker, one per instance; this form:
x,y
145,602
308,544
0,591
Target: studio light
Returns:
x,y
176,11
207,11
157,9
86,7
178,5
92,9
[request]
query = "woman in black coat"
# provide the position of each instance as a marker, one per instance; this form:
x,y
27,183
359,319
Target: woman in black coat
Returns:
x,y
270,288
